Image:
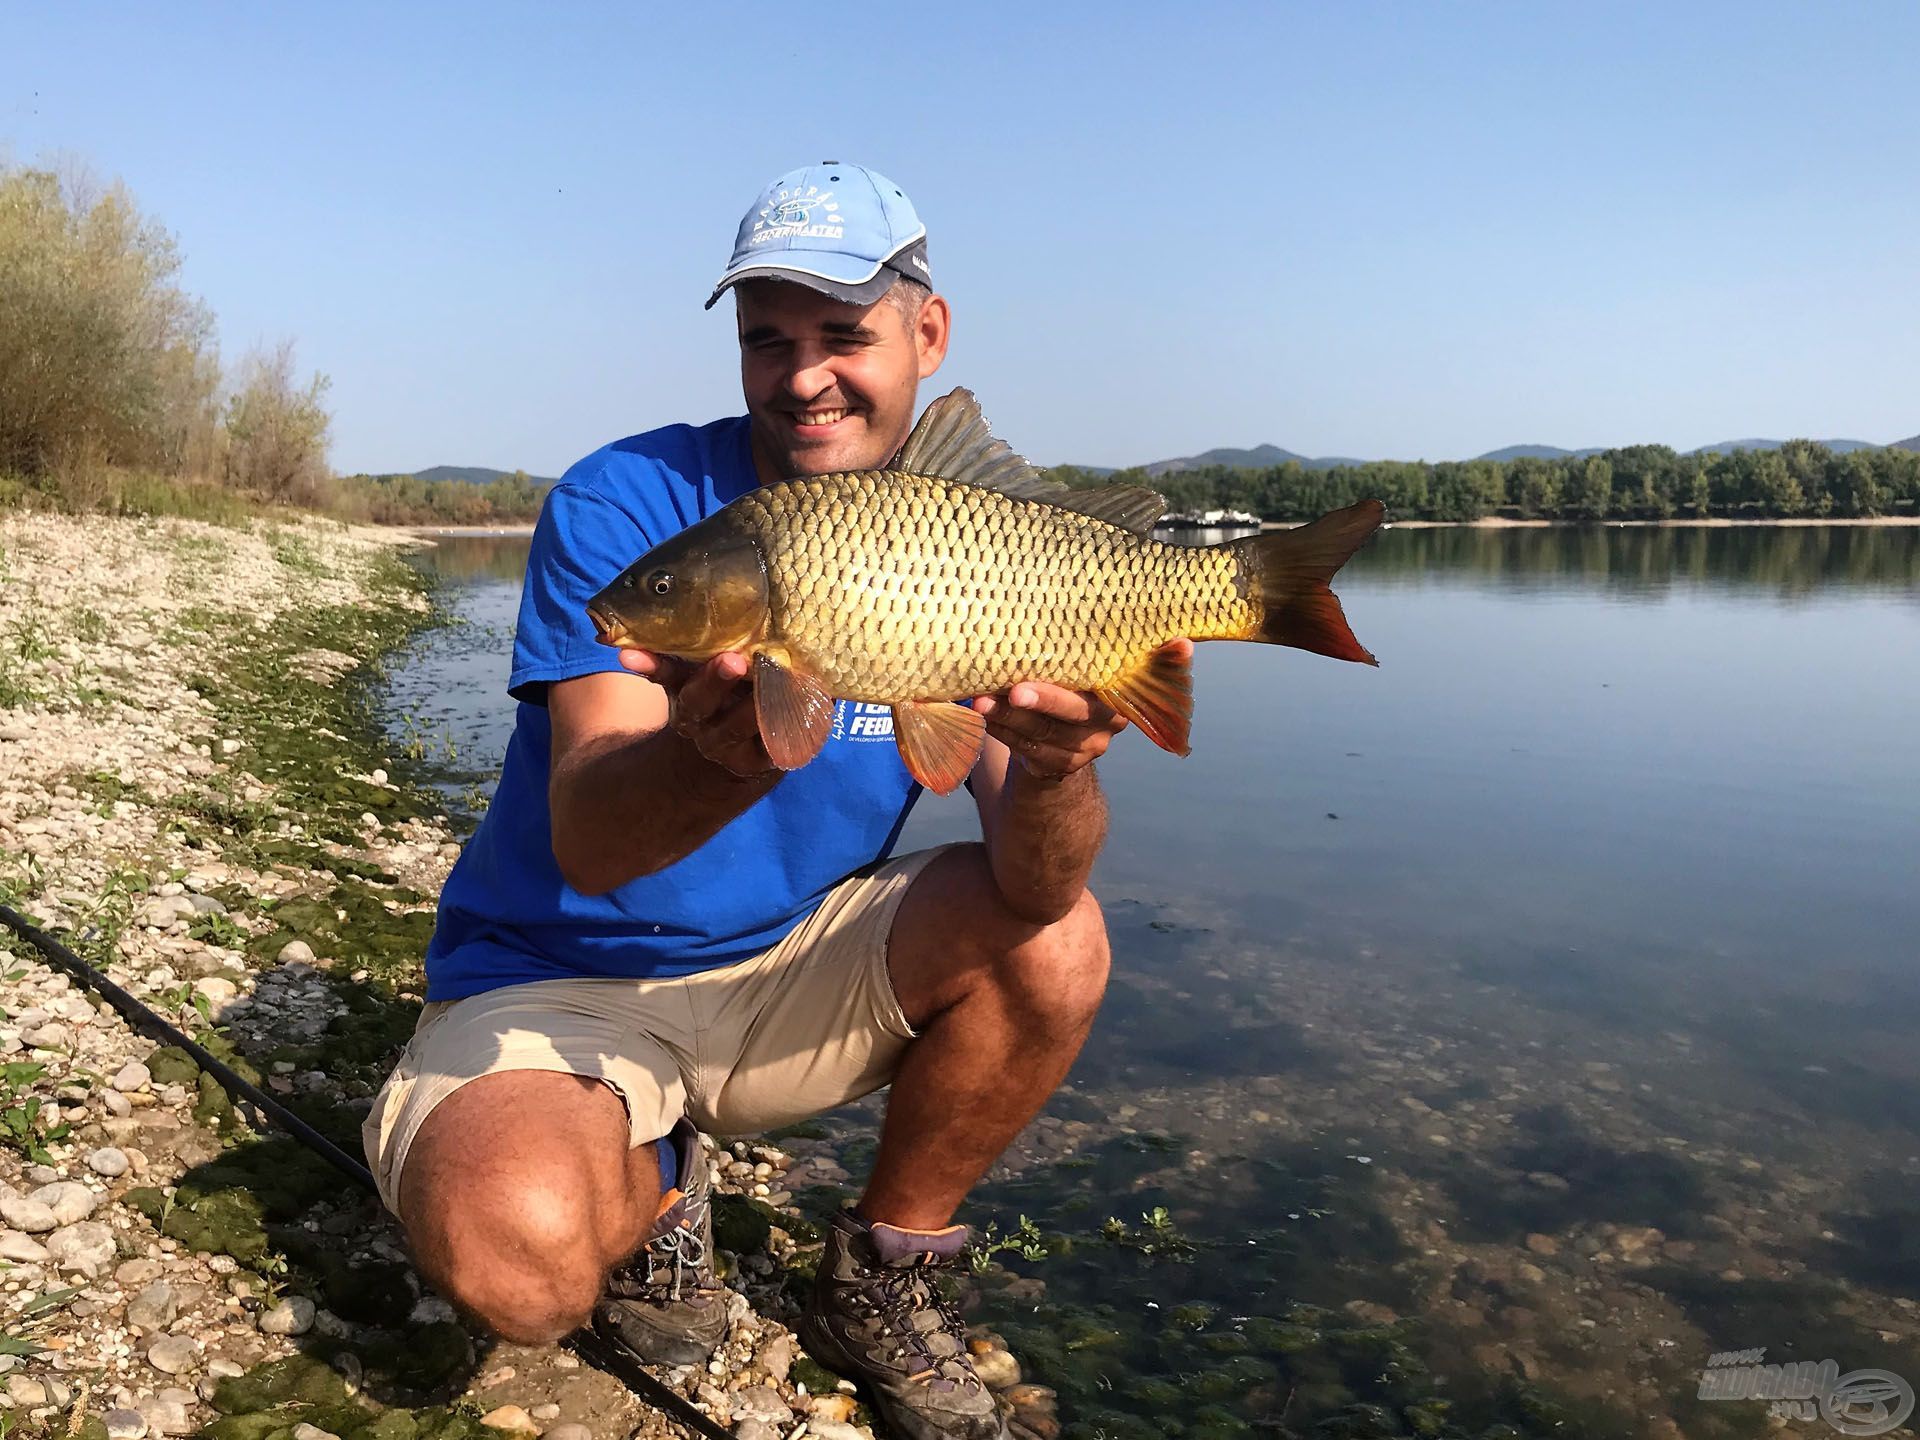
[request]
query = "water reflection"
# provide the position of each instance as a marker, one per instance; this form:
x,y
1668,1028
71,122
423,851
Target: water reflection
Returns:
x,y
1507,1029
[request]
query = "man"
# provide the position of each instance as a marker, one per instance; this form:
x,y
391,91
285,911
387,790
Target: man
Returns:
x,y
653,929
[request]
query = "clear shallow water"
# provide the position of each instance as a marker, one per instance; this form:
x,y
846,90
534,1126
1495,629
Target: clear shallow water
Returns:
x,y
1609,875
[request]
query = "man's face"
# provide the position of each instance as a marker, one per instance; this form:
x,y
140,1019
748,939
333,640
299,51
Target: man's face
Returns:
x,y
830,386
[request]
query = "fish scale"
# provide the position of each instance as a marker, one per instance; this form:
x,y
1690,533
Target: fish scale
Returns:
x,y
937,590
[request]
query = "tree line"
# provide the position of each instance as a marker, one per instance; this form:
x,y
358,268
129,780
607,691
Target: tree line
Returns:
x,y
1637,482
113,395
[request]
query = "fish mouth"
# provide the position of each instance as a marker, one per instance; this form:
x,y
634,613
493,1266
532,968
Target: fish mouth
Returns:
x,y
608,629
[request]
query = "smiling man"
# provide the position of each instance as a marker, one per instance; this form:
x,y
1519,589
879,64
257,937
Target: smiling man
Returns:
x,y
656,932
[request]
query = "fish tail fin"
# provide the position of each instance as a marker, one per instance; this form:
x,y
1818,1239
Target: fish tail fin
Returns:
x,y
1288,571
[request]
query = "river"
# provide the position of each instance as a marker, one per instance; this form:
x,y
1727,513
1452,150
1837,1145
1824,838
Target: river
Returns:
x,y
1538,1008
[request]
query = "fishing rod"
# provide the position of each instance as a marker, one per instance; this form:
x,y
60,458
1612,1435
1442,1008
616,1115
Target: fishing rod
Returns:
x,y
588,1344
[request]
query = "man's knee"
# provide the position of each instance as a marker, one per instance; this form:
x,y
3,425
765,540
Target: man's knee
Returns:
x,y
517,1195
1061,970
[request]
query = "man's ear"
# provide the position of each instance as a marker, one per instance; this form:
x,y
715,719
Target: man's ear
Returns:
x,y
931,333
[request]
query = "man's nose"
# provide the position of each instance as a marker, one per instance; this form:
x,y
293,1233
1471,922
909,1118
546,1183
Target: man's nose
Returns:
x,y
811,374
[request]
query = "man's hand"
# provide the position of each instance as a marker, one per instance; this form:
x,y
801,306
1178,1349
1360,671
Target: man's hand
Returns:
x,y
1052,731
710,705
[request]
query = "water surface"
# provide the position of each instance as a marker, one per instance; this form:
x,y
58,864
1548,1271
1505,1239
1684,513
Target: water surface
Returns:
x,y
1531,1016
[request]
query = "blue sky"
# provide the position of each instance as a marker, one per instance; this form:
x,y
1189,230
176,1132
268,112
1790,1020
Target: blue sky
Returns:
x,y
1392,230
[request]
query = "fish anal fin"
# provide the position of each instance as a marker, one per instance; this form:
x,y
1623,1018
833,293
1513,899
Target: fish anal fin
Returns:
x,y
794,710
1157,695
939,741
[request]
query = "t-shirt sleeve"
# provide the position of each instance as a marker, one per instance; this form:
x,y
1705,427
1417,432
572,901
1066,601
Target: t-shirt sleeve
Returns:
x,y
582,541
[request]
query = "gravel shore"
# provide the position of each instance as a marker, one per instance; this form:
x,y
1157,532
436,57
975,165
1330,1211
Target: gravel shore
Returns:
x,y
195,795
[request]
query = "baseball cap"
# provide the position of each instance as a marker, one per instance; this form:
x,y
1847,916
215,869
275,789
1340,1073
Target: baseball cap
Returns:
x,y
843,230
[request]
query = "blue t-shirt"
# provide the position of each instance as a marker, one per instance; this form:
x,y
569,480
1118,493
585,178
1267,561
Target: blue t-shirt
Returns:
x,y
506,916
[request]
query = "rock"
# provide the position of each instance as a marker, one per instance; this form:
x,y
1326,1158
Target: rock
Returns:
x,y
997,1369
32,1216
1543,1244
292,1316
570,1431
167,1412
748,1429
173,1355
50,1036
70,1201
116,1103
761,1402
548,1411
22,1249
296,952
108,1161
217,988
304,1431
87,1247
132,1076
205,904
25,1391
511,1417
125,1425
776,1358
829,1409
154,1307
138,1272
834,1430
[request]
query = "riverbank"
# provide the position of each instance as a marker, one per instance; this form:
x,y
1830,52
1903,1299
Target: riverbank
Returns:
x,y
197,794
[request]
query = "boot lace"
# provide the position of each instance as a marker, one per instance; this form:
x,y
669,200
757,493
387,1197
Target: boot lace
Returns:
x,y
915,1315
670,1266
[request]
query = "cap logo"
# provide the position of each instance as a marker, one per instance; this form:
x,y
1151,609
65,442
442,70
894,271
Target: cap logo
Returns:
x,y
791,215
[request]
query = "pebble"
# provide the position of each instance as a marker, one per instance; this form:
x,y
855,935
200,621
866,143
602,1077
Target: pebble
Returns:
x,y
762,1402
511,1417
997,1369
154,1307
304,1431
834,1430
173,1354
217,988
26,1391
830,1409
69,1201
138,1272
168,1412
292,1316
125,1425
296,952
569,1431
33,1216
548,1411
748,1429
132,1076
87,1247
108,1160
22,1249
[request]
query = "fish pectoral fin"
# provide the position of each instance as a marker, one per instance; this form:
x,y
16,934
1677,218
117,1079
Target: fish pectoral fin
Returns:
x,y
939,741
1157,695
794,711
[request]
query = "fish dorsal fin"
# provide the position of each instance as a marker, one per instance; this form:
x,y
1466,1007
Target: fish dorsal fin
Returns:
x,y
954,442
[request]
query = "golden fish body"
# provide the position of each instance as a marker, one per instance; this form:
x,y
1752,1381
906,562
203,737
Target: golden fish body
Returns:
x,y
891,586
961,571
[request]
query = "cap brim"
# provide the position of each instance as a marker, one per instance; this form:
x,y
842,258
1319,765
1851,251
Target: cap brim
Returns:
x,y
864,292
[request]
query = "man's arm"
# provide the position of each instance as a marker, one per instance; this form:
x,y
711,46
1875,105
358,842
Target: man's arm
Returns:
x,y
647,767
1041,811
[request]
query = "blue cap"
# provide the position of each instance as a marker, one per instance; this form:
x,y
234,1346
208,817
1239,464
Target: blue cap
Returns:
x,y
843,230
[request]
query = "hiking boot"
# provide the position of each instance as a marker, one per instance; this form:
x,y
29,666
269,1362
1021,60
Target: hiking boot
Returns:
x,y
665,1304
878,1317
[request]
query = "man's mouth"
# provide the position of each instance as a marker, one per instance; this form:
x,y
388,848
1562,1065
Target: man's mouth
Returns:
x,y
818,419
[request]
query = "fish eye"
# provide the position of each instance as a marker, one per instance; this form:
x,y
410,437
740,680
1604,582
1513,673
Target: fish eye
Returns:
x,y
660,582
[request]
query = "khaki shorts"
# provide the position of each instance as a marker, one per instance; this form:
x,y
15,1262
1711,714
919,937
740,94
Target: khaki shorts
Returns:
x,y
798,1029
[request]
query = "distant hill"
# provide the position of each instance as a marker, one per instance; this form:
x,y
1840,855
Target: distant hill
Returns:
x,y
1540,452
1260,457
1723,447
475,475
1912,442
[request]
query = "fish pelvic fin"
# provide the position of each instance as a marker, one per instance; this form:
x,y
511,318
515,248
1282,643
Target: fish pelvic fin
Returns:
x,y
954,442
1286,573
793,709
939,741
1156,694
